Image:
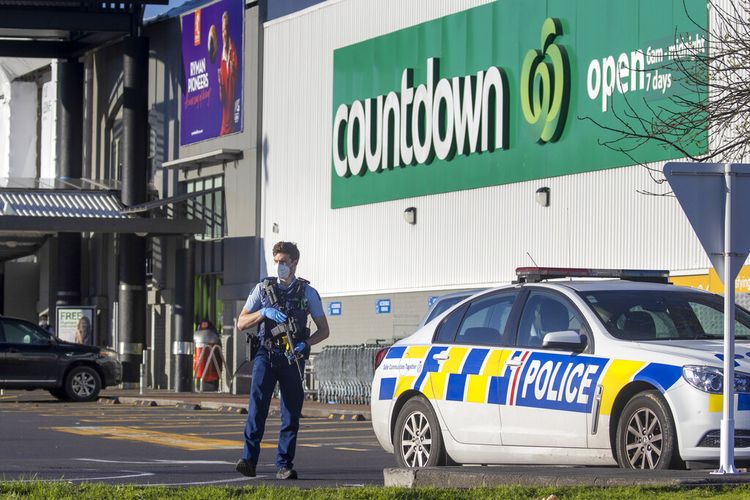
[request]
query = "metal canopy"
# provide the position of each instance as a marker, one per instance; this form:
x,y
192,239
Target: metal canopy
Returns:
x,y
64,29
29,216
49,212
205,159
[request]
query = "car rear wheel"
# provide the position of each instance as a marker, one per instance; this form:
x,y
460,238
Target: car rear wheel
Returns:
x,y
646,437
82,384
59,394
418,439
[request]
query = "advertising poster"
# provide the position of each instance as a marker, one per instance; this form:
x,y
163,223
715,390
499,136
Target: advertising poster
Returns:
x,y
211,98
76,324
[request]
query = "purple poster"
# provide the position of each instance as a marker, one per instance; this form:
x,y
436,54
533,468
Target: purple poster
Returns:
x,y
211,100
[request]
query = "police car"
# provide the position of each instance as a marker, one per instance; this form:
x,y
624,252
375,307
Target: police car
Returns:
x,y
579,371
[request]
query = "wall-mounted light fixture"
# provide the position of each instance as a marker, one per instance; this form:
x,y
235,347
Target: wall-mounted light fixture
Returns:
x,y
410,215
542,196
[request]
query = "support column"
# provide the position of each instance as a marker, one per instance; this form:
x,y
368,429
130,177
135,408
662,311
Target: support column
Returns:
x,y
183,347
132,248
70,138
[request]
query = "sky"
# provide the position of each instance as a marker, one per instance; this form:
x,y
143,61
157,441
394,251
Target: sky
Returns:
x,y
155,10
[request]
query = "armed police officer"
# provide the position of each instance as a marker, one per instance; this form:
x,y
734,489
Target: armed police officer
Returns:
x,y
279,306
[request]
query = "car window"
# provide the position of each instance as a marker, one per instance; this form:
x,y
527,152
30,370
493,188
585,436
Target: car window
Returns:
x,y
449,326
442,306
544,313
676,314
21,333
485,320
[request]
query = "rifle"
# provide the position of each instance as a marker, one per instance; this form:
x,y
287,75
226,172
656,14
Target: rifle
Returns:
x,y
288,329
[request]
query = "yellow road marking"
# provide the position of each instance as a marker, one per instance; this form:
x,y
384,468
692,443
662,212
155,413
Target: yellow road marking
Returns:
x,y
310,445
342,448
154,437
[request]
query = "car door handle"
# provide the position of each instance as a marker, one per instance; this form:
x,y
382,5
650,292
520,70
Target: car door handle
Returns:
x,y
514,362
440,356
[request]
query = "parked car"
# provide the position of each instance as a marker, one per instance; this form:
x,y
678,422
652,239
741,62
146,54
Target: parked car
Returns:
x,y
591,372
443,303
31,358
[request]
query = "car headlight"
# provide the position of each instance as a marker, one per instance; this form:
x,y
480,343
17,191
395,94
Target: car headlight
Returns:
x,y
109,353
711,379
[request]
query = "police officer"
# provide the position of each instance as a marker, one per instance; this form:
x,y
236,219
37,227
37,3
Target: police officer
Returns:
x,y
296,299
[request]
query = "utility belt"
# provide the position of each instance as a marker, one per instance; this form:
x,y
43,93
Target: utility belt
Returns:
x,y
277,345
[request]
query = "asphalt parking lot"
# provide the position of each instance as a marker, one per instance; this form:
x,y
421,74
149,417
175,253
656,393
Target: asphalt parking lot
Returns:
x,y
44,439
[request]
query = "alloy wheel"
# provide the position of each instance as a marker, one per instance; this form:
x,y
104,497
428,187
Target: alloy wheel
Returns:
x,y
83,384
416,440
643,440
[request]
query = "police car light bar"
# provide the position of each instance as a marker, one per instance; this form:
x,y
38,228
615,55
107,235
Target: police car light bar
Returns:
x,y
537,274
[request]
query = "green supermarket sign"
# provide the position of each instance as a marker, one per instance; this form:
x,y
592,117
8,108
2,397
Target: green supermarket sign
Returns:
x,y
496,94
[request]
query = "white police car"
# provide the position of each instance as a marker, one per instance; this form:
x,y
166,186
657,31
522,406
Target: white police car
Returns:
x,y
592,372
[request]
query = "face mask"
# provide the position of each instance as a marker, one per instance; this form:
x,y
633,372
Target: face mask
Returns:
x,y
283,271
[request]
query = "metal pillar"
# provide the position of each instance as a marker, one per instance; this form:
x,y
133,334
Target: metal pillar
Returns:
x,y
70,138
132,248
183,347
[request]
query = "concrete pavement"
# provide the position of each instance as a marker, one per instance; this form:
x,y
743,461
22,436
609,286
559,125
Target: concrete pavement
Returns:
x,y
236,403
544,476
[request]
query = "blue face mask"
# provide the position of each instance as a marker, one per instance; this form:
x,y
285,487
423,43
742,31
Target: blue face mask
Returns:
x,y
283,271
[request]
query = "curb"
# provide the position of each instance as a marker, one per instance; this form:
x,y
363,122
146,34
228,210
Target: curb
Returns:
x,y
358,417
472,477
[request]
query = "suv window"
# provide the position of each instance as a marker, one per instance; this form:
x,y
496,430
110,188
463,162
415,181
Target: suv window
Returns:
x,y
21,333
544,313
485,320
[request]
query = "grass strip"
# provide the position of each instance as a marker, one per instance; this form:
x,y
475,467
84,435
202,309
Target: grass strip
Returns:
x,y
63,490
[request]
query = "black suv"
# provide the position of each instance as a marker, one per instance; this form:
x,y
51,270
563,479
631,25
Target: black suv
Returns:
x,y
31,358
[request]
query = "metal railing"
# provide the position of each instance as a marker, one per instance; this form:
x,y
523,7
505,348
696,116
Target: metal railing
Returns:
x,y
344,373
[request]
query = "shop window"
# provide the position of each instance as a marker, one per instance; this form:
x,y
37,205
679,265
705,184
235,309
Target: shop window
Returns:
x,y
209,205
206,303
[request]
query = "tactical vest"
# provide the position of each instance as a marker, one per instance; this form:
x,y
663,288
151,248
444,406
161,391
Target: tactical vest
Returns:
x,y
292,302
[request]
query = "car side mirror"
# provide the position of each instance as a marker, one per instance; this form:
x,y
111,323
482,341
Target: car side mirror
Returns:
x,y
568,340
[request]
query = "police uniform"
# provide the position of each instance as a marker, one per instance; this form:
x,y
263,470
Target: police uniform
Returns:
x,y
270,365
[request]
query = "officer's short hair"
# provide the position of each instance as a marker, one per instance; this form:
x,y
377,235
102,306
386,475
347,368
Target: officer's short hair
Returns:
x,y
288,248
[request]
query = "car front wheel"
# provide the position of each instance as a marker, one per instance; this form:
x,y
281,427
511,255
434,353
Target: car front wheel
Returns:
x,y
418,439
646,437
82,384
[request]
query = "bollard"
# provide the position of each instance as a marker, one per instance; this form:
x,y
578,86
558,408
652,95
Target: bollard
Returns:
x,y
144,370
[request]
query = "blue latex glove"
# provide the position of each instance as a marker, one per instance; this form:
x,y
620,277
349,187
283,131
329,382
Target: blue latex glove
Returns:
x,y
300,347
273,314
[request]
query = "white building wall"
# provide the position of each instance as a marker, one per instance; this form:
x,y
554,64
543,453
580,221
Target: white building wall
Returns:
x,y
48,149
23,116
462,239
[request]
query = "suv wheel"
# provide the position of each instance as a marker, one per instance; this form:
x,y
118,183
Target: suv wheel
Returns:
x,y
82,384
59,394
418,439
646,437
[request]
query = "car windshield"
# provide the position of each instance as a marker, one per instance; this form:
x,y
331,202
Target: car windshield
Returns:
x,y
664,315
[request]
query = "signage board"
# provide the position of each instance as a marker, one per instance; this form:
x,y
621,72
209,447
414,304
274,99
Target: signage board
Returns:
x,y
505,92
334,308
76,324
212,66
383,306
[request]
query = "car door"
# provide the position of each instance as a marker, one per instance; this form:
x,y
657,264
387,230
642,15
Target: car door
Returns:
x,y
466,358
551,391
30,357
